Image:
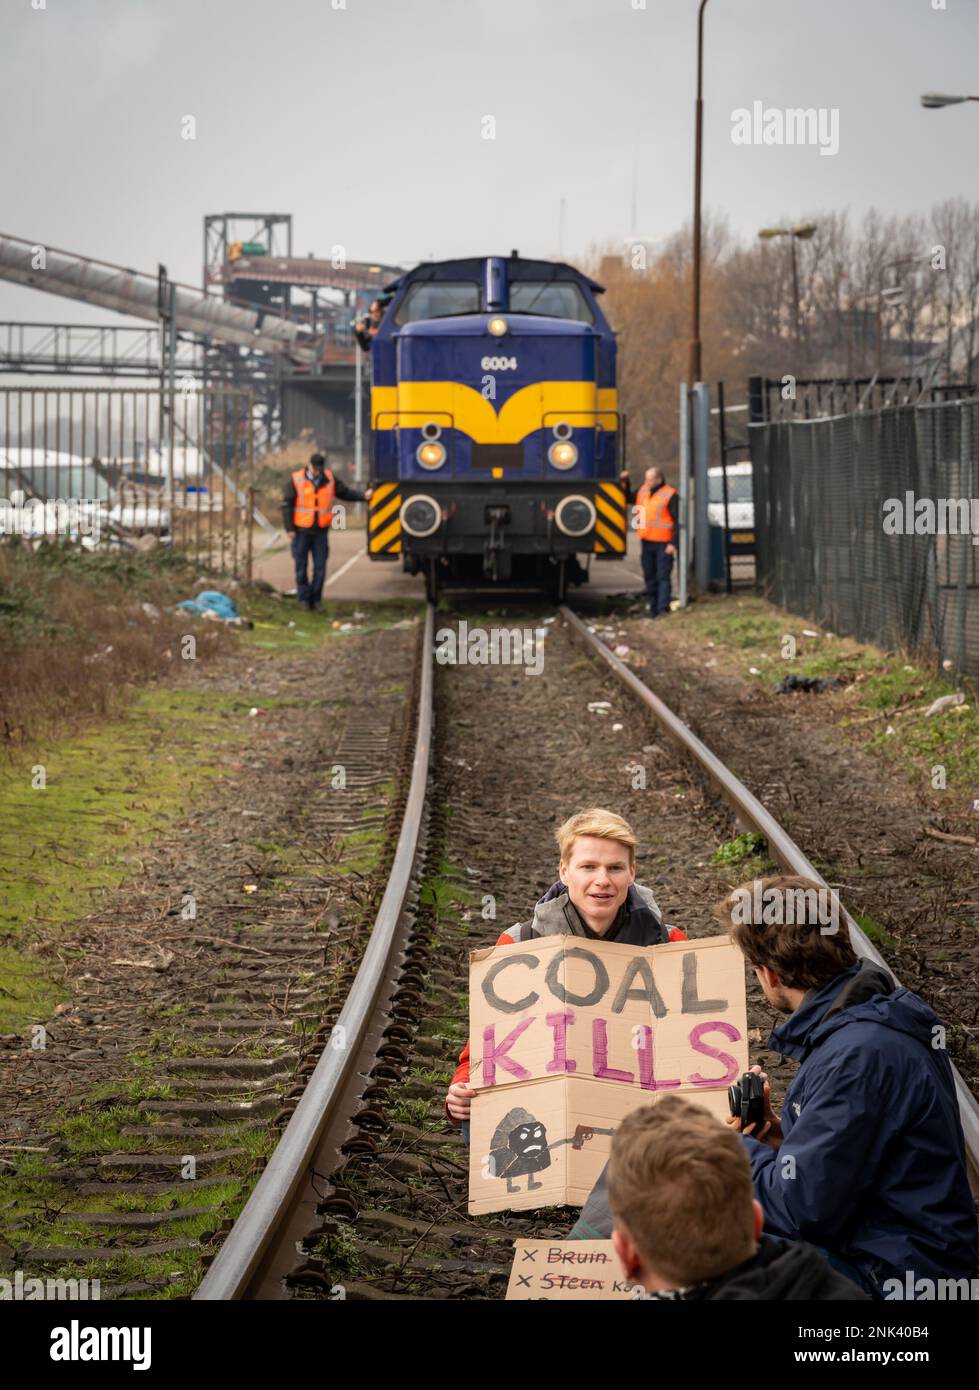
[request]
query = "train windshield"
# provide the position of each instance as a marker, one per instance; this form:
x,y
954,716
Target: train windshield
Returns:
x,y
556,299
438,300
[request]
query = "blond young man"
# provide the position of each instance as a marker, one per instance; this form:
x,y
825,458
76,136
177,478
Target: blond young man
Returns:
x,y
685,1221
595,896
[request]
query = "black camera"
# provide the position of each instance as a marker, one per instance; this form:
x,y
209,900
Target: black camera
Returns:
x,y
747,1100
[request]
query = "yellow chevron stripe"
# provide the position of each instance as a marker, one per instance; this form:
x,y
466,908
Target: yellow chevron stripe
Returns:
x,y
614,494
378,518
381,491
378,542
615,541
408,404
617,518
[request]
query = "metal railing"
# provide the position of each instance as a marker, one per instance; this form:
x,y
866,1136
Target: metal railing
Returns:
x,y
141,462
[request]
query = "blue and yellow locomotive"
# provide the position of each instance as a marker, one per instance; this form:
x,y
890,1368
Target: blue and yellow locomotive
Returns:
x,y
496,437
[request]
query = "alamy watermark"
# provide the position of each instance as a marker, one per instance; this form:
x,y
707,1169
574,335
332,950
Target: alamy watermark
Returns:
x,y
928,516
80,1343
930,1290
63,516
21,1289
496,646
769,125
757,905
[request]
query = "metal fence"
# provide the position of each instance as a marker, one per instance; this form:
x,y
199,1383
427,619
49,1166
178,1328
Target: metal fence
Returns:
x,y
869,524
118,465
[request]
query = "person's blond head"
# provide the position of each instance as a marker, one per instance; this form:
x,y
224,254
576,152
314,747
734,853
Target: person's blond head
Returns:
x,y
603,825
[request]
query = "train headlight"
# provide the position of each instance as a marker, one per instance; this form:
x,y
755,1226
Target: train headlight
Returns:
x,y
574,515
563,454
497,327
431,454
420,516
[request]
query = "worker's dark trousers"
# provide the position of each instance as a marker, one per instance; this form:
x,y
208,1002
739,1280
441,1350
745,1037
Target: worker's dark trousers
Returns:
x,y
657,568
315,541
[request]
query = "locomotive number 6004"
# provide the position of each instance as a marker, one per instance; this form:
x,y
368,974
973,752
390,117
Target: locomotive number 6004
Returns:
x,y
484,473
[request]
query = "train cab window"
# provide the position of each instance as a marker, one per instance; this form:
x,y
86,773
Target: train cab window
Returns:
x,y
438,299
556,299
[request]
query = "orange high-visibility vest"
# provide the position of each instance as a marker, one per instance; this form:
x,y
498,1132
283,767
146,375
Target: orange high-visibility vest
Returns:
x,y
314,505
657,524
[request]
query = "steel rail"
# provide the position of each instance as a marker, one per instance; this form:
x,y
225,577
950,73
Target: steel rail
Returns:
x,y
752,814
255,1228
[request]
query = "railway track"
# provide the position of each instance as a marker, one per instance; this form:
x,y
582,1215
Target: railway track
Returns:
x,y
161,1159
365,1196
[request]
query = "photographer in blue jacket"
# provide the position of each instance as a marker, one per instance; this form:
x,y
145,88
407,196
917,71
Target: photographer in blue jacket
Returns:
x,y
867,1159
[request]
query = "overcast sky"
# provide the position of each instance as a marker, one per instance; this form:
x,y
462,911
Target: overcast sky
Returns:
x,y
366,121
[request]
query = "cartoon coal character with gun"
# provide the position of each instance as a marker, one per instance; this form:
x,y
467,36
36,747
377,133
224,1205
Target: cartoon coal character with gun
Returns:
x,y
520,1147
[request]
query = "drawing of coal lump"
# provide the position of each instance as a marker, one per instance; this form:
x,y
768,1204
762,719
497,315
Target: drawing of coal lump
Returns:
x,y
520,1149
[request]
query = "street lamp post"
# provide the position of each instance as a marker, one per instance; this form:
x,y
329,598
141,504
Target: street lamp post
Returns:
x,y
695,363
931,100
797,234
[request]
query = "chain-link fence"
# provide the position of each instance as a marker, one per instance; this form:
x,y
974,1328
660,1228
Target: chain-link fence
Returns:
x,y
869,524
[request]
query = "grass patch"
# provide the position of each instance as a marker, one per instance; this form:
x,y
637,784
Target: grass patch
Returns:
x,y
100,1131
281,626
878,935
339,1250
740,848
894,687
410,1112
435,1074
361,850
443,892
63,844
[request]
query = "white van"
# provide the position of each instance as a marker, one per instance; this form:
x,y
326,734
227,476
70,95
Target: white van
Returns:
x,y
740,500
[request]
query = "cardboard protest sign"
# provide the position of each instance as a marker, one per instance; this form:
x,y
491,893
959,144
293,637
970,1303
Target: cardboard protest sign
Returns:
x,y
567,1038
568,1269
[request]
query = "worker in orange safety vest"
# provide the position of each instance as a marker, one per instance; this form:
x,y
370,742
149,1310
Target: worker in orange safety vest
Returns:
x,y
307,515
655,512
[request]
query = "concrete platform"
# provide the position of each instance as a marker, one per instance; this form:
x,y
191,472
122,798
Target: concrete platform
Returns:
x,y
351,575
